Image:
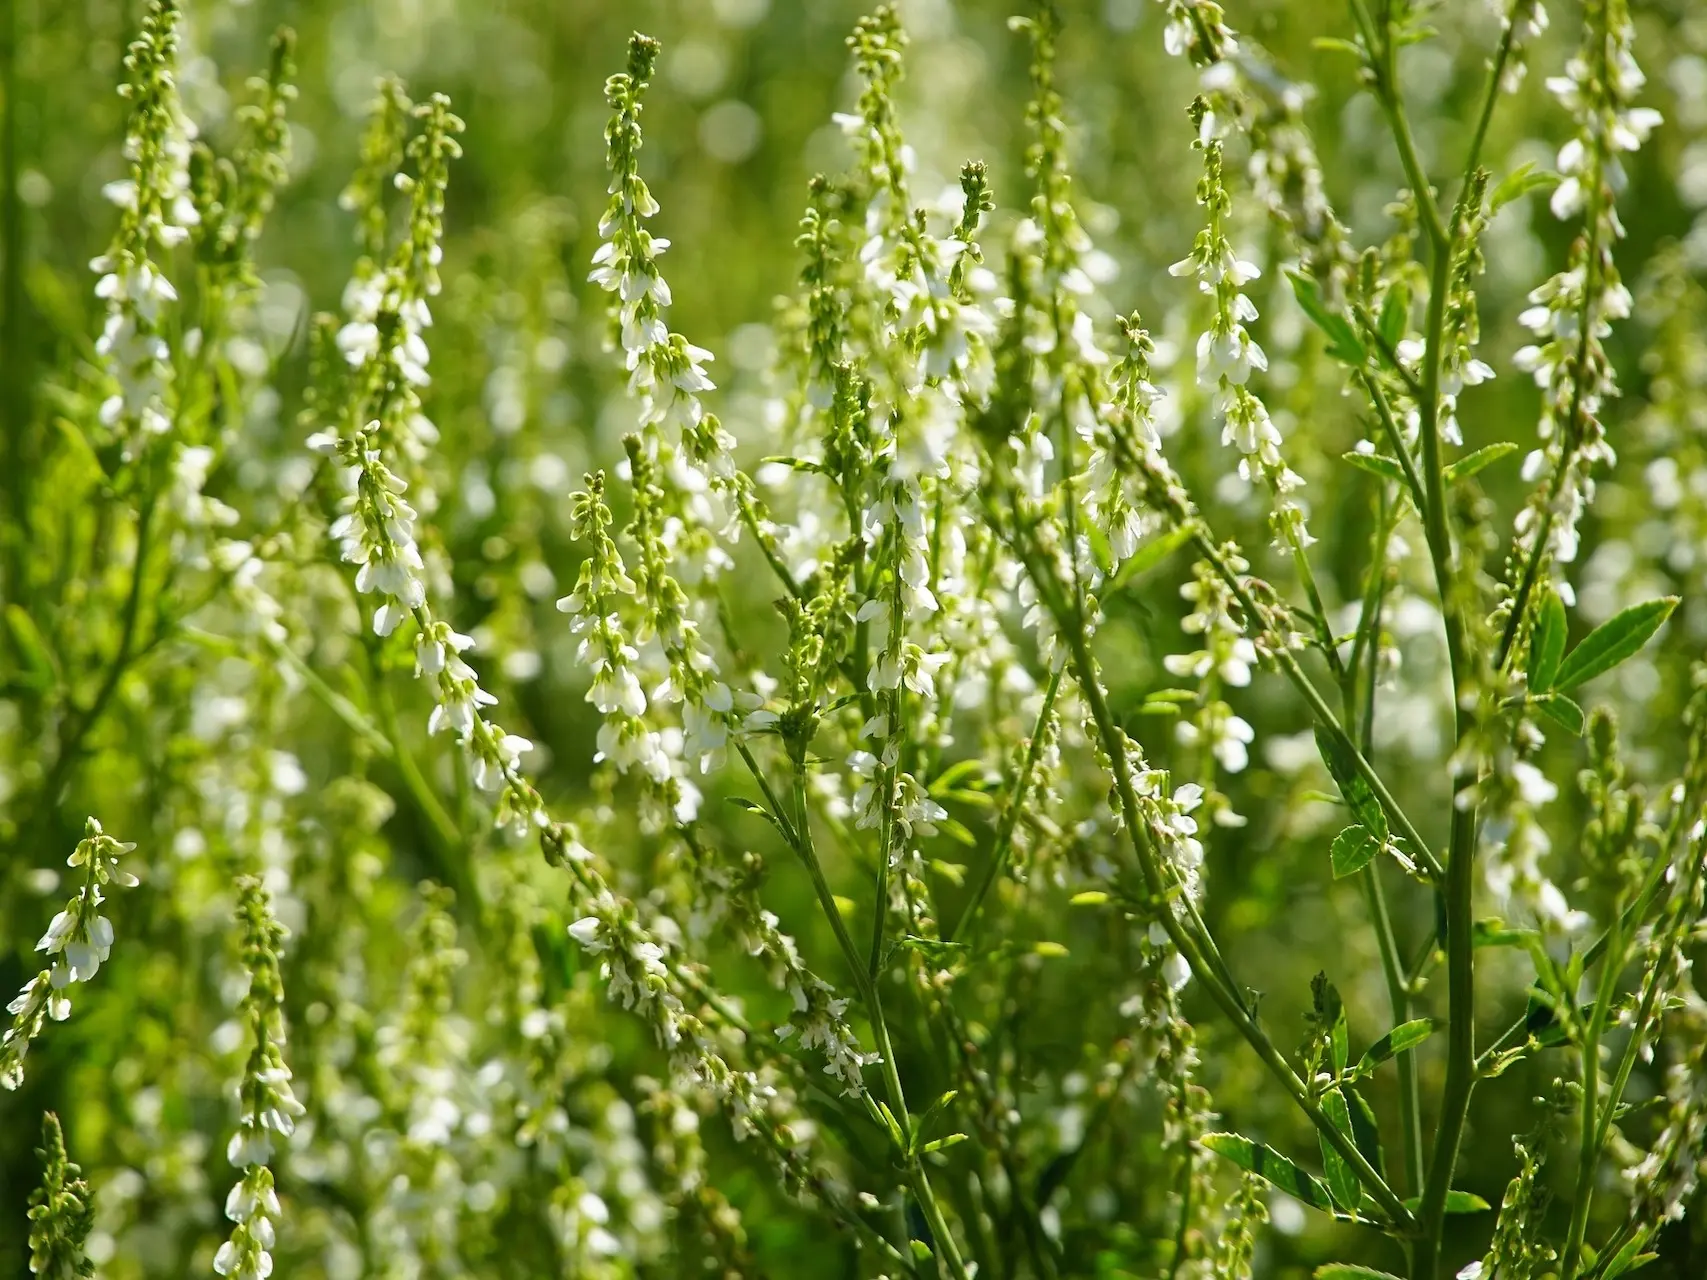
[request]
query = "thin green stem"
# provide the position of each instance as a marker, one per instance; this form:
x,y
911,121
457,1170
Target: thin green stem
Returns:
x,y
1003,848
1396,440
1588,1152
917,1178
1161,891
1306,687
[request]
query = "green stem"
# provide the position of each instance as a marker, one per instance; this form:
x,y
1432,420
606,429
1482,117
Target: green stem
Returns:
x,y
1306,687
998,859
917,1178
1588,1151
1161,891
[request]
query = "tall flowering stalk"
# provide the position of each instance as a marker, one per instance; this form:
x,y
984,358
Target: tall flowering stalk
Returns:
x,y
1572,313
269,1109
77,943
61,1212
156,215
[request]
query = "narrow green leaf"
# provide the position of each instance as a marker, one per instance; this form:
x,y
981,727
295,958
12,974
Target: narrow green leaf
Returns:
x,y
1266,1162
956,773
1353,850
889,1123
1359,796
1627,1260
1167,710
1471,463
1519,183
1562,711
752,806
1407,1035
1456,1202
1350,1271
1366,1132
957,831
1395,314
1376,464
1547,645
1343,342
1342,1181
1151,554
1613,641
1496,933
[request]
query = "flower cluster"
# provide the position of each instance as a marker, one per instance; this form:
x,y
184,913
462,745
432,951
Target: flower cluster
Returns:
x,y
666,371
156,215
61,1212
1226,353
268,1104
77,943
1572,313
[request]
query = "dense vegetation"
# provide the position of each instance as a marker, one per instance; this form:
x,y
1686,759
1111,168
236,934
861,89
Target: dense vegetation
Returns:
x,y
1097,673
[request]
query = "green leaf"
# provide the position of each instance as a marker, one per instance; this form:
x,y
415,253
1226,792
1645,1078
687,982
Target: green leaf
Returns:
x,y
952,1140
1496,933
957,831
1342,1181
1350,1271
1353,850
1267,1163
1407,1035
793,463
1164,709
961,770
1151,554
1613,641
1376,464
1359,796
1395,313
1519,183
1366,1132
1456,1202
1343,342
1471,463
1547,644
1627,1260
752,806
1560,709
889,1123
935,950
